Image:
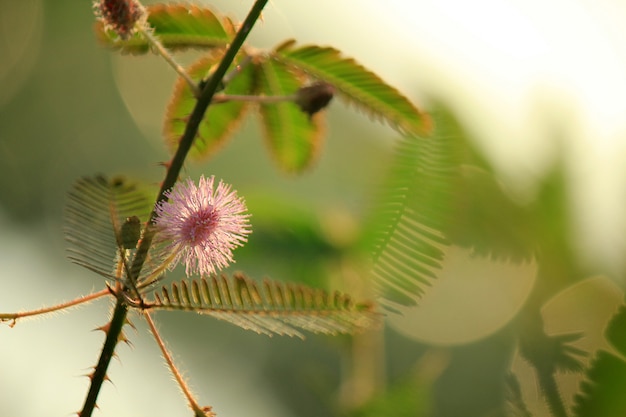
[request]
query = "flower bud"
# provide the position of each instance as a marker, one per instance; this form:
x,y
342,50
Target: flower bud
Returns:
x,y
130,233
314,97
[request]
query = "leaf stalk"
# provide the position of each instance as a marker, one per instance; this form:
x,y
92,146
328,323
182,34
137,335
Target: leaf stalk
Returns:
x,y
68,304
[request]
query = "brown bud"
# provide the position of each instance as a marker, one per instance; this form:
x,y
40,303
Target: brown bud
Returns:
x,y
314,97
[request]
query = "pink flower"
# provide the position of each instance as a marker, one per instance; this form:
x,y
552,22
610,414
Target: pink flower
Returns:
x,y
202,225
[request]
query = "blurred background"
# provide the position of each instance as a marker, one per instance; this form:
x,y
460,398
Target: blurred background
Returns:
x,y
535,83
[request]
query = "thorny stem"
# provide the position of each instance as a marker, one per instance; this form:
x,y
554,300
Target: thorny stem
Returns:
x,y
204,100
77,301
160,49
99,374
198,411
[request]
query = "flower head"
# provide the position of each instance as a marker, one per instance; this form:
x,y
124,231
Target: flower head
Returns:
x,y
119,15
202,224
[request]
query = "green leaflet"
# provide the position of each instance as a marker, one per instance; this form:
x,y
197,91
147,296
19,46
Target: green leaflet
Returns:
x,y
271,307
356,84
221,119
293,138
178,26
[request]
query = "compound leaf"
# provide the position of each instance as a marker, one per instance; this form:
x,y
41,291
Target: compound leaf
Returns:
x,y
293,137
269,308
221,119
355,84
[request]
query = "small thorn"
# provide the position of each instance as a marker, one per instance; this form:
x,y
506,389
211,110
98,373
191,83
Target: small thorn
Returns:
x,y
130,323
208,411
123,339
104,328
166,165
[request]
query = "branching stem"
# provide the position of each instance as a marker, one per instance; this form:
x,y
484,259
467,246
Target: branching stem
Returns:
x,y
191,130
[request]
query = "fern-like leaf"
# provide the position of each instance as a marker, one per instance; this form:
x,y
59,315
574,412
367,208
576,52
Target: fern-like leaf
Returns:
x,y
356,84
439,192
406,233
220,121
178,26
268,308
97,214
294,138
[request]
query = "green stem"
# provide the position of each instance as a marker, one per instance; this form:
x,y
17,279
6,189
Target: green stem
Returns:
x,y
99,374
206,96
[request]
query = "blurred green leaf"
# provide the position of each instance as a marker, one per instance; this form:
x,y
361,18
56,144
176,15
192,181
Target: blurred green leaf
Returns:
x,y
616,331
178,26
293,137
602,393
488,221
289,240
356,84
221,119
407,398
406,232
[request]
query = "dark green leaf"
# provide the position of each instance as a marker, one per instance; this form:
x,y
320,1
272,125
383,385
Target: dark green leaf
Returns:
x,y
294,138
178,26
602,393
616,331
221,119
355,84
